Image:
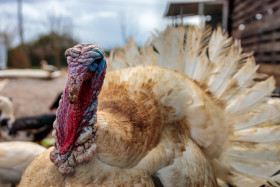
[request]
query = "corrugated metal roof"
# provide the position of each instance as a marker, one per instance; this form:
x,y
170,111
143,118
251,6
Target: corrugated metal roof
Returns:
x,y
188,8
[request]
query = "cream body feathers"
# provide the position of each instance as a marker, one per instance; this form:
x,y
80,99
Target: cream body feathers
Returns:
x,y
241,121
15,157
185,108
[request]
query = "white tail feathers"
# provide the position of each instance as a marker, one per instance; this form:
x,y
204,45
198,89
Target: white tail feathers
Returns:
x,y
251,97
216,63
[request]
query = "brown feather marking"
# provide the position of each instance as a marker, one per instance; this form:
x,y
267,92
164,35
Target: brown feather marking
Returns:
x,y
129,124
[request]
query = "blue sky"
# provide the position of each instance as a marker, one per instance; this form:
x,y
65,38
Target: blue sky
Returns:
x,y
94,21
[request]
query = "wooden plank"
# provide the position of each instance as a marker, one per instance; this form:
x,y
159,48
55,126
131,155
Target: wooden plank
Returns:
x,y
269,47
266,59
236,2
241,6
265,47
250,40
236,33
276,35
237,22
249,11
250,15
270,68
259,27
250,48
272,5
266,37
252,28
261,36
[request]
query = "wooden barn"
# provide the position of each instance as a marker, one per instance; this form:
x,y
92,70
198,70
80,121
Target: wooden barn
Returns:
x,y
256,23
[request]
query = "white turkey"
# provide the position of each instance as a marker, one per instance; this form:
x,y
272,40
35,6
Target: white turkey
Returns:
x,y
185,109
14,158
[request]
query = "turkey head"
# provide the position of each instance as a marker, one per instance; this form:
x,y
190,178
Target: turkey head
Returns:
x,y
74,128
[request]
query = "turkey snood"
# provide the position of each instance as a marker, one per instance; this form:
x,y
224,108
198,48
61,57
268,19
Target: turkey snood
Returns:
x,y
74,128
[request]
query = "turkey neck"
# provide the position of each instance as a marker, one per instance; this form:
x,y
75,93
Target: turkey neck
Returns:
x,y
73,118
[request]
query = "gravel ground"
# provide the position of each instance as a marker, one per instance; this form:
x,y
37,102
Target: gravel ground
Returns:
x,y
33,96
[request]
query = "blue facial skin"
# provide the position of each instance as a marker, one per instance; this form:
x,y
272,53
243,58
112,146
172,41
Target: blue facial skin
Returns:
x,y
94,58
98,67
93,66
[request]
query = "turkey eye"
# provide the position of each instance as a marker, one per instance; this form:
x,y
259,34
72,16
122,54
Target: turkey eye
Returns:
x,y
97,61
93,66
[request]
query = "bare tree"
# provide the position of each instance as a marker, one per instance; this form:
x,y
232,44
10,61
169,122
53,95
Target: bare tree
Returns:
x,y
60,24
8,32
20,22
24,60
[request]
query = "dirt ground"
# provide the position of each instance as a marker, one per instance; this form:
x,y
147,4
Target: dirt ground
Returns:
x,y
33,96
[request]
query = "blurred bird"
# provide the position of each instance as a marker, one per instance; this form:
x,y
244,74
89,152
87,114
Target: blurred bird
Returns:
x,y
184,110
45,66
14,158
276,93
6,116
32,128
28,128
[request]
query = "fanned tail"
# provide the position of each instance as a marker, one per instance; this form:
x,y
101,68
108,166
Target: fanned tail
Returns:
x,y
216,63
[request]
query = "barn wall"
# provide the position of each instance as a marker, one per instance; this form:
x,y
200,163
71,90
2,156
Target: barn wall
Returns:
x,y
257,24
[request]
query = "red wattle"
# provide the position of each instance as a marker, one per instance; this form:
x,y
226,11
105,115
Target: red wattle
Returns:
x,y
73,117
70,116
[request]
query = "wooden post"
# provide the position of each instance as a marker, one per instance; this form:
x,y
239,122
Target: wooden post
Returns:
x,y
201,12
225,14
181,14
